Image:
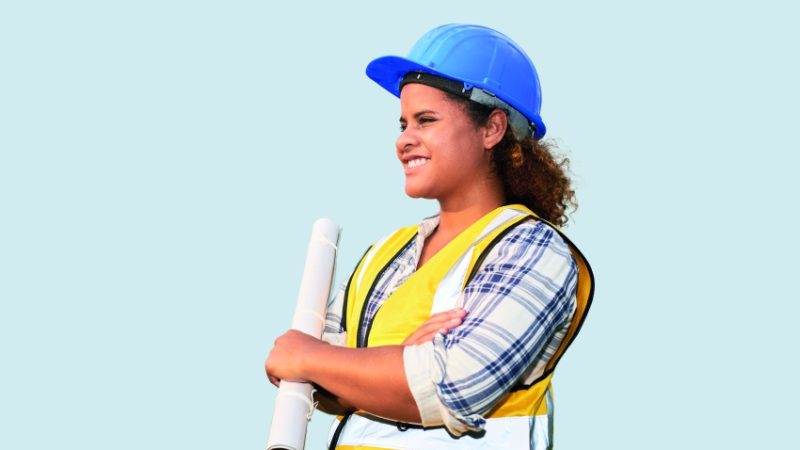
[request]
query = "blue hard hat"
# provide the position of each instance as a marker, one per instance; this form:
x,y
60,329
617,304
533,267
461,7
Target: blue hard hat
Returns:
x,y
475,55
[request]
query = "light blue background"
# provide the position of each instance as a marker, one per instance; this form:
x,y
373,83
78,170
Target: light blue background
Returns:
x,y
161,164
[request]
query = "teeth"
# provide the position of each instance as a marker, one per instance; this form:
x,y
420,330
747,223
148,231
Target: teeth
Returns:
x,y
417,162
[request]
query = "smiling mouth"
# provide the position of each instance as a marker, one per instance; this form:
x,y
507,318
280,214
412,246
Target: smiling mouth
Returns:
x,y
417,162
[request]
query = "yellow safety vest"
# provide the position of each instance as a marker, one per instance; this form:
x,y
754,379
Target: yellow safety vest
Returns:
x,y
521,419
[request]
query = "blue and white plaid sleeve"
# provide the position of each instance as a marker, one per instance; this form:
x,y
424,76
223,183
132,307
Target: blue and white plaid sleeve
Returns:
x,y
334,333
519,305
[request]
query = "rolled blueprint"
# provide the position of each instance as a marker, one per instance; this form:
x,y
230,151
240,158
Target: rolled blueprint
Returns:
x,y
294,402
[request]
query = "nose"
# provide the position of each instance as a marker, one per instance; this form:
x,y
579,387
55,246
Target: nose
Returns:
x,y
405,142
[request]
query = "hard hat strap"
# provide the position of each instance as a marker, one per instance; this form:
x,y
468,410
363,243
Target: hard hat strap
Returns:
x,y
521,127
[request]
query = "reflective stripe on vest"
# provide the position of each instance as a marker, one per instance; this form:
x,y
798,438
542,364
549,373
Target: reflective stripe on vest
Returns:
x,y
503,433
438,286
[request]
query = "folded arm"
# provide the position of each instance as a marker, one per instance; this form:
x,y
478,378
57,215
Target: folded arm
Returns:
x,y
519,305
370,379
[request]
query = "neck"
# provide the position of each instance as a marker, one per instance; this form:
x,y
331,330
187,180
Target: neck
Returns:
x,y
455,218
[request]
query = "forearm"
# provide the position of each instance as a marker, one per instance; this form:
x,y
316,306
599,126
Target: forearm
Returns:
x,y
371,379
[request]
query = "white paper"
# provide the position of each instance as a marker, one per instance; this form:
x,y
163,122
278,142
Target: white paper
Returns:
x,y
293,404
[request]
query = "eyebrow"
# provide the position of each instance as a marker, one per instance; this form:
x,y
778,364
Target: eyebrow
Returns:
x,y
419,113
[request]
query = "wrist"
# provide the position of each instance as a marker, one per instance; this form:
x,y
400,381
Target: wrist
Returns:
x,y
309,360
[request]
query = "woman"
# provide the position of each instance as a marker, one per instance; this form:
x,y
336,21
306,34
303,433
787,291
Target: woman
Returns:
x,y
449,331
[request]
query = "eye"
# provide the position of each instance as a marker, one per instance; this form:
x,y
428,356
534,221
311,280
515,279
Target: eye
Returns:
x,y
423,120
403,127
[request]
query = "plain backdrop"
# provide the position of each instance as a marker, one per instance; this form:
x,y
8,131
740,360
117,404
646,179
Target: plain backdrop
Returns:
x,y
161,164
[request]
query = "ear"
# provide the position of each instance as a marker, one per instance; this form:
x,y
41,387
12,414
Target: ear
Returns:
x,y
495,129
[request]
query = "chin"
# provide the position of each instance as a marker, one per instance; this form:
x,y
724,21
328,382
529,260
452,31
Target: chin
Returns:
x,y
416,192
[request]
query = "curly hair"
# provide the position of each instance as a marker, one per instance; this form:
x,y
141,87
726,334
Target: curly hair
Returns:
x,y
530,172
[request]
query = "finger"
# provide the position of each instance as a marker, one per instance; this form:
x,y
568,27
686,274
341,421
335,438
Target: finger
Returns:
x,y
445,321
435,326
428,337
442,315
421,336
428,330
447,314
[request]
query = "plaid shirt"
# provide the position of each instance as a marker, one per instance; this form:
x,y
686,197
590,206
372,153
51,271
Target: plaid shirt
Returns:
x,y
519,305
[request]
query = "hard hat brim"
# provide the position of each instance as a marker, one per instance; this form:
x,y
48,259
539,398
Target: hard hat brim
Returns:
x,y
388,71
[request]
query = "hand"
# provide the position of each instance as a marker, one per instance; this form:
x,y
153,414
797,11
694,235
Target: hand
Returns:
x,y
288,357
441,322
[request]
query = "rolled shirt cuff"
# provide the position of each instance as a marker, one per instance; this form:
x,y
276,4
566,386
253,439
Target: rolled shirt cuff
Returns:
x,y
339,339
418,362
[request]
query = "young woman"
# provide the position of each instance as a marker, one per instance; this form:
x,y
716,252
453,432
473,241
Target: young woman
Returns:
x,y
447,333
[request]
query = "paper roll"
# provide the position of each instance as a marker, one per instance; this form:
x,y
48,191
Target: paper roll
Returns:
x,y
294,402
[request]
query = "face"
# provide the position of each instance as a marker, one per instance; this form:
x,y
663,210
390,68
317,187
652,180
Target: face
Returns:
x,y
441,149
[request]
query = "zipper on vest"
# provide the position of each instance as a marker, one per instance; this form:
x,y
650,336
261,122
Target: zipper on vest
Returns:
x,y
364,337
347,289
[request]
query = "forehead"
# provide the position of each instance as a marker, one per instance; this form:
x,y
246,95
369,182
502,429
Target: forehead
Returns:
x,y
415,96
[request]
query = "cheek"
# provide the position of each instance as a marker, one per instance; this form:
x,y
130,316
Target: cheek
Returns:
x,y
468,151
457,144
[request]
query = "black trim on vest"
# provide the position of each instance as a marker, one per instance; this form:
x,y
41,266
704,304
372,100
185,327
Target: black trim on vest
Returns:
x,y
369,294
347,289
581,320
523,387
338,432
491,245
